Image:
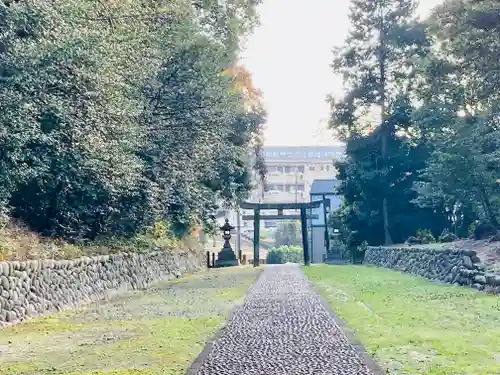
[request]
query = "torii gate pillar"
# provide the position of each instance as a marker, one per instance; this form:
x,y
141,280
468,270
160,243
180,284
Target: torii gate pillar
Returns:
x,y
257,207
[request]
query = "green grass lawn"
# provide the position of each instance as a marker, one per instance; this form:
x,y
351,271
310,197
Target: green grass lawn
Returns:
x,y
153,332
411,325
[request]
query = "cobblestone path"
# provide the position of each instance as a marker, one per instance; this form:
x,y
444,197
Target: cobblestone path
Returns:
x,y
282,329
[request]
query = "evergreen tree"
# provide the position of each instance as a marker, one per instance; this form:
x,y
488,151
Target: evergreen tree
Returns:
x,y
378,63
115,116
459,92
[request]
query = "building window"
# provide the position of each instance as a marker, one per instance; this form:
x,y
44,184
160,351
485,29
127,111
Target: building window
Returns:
x,y
280,188
311,168
327,168
288,169
300,169
280,169
269,187
322,168
300,187
289,188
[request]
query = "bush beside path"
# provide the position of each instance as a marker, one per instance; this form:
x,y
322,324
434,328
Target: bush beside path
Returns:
x,y
155,331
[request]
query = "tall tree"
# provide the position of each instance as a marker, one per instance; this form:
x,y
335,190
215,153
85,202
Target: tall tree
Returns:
x,y
378,63
115,115
459,92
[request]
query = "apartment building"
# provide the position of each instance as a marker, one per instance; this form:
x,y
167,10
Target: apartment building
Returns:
x,y
292,170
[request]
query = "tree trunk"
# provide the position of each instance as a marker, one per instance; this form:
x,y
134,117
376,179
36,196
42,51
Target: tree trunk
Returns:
x,y
385,211
383,128
487,207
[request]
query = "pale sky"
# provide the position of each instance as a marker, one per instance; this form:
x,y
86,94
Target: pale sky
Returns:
x,y
289,56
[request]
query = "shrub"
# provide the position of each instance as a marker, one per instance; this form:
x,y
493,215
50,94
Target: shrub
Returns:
x,y
360,253
19,243
484,230
284,254
472,229
447,236
425,236
354,252
84,155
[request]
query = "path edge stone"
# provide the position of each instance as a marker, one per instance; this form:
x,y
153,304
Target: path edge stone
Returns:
x,y
196,364
368,360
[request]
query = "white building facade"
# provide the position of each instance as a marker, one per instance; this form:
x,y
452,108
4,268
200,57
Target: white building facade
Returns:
x,y
291,172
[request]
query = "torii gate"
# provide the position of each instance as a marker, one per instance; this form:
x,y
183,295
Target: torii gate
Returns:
x,y
256,217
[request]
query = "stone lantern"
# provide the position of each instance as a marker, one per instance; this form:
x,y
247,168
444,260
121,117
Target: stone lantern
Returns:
x,y
226,257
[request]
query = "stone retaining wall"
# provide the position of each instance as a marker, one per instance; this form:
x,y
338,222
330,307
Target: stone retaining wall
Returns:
x,y
38,286
459,267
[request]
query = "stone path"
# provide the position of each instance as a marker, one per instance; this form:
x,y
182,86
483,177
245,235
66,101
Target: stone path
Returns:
x,y
282,329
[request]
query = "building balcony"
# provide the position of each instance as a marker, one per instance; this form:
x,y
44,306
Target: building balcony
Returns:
x,y
283,196
284,178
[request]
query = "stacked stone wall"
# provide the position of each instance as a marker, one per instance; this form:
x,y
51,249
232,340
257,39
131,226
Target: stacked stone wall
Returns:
x,y
38,286
453,266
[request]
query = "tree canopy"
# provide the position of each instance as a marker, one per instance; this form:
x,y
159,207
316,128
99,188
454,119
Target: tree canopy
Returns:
x,y
419,117
116,115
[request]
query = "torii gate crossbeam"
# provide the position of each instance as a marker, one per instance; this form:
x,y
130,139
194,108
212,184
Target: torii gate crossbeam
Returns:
x,y
257,207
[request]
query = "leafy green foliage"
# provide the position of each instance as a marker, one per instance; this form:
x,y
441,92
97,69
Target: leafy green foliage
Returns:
x,y
349,242
116,116
285,254
288,233
419,118
425,236
460,116
378,62
447,236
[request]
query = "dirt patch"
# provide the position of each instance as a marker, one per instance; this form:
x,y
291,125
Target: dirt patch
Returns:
x,y
488,252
